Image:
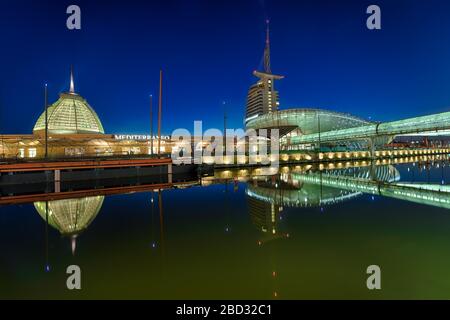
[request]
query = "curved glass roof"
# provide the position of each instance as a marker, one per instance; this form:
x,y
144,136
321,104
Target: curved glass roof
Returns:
x,y
71,216
70,114
307,120
430,123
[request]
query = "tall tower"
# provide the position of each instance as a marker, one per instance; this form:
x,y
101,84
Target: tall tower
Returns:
x,y
262,97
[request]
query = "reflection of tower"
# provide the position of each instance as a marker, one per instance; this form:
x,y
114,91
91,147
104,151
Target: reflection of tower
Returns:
x,y
70,216
263,215
262,97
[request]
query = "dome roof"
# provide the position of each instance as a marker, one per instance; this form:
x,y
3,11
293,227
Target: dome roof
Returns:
x,y
70,114
71,216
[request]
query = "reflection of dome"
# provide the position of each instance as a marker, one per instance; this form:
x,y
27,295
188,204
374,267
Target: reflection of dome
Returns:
x,y
70,114
71,216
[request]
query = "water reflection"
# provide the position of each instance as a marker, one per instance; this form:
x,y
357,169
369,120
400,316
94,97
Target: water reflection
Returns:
x,y
268,191
70,216
221,239
310,189
321,188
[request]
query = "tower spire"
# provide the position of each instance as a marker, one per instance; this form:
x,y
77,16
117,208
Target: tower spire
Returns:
x,y
267,68
72,84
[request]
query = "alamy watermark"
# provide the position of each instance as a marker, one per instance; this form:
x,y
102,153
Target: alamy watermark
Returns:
x,y
73,282
236,146
374,280
73,22
373,22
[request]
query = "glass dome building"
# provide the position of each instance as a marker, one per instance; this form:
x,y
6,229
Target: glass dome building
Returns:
x,y
71,114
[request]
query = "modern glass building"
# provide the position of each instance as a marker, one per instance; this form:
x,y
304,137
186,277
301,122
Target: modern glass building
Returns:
x,y
71,114
75,130
262,97
324,130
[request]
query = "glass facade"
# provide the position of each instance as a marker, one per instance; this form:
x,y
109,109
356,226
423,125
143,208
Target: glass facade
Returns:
x,y
430,123
70,216
70,114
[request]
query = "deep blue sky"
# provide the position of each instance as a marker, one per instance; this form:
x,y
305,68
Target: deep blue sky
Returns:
x,y
208,50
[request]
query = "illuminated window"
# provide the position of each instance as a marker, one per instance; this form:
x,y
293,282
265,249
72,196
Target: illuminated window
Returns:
x,y
21,153
32,152
73,151
155,149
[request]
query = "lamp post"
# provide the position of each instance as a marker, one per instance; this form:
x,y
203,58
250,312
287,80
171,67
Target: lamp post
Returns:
x,y
159,111
151,125
46,120
318,126
224,129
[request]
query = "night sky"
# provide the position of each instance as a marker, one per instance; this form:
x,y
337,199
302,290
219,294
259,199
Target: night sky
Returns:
x,y
208,50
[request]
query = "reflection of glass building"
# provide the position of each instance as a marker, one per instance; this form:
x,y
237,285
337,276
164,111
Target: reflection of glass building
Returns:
x,y
263,214
70,216
327,187
295,189
265,217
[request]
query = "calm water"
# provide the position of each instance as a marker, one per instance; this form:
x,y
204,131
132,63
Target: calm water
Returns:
x,y
296,234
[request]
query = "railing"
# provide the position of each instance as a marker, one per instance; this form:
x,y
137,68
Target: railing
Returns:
x,y
82,157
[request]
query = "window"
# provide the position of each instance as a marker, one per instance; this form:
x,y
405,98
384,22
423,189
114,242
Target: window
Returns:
x,y
74,151
21,153
32,152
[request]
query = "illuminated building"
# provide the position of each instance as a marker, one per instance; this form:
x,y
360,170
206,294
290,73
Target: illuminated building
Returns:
x,y
317,129
262,97
75,130
71,114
